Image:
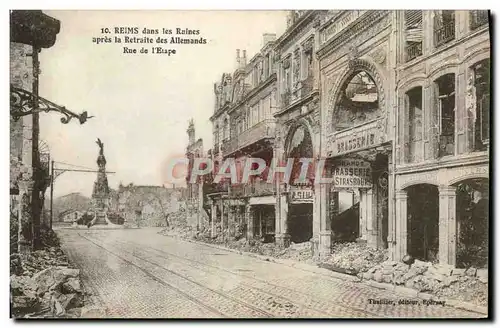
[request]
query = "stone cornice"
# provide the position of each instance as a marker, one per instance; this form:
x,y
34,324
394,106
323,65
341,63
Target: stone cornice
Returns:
x,y
292,32
366,21
261,86
33,27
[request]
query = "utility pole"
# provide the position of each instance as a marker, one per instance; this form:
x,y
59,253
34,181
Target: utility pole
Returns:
x,y
35,197
53,175
51,192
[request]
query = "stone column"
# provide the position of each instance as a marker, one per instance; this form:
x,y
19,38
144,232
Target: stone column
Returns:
x,y
24,216
327,205
362,216
401,225
283,237
391,220
213,218
249,221
231,221
222,211
447,225
371,219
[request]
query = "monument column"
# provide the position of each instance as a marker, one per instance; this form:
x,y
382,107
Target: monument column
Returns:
x,y
100,194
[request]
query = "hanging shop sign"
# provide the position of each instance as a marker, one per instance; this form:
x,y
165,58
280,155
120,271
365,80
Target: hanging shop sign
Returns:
x,y
301,194
352,173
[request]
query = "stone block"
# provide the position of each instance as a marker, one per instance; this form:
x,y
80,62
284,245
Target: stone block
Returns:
x,y
387,278
410,283
388,271
378,276
368,275
482,275
449,280
471,272
458,272
445,270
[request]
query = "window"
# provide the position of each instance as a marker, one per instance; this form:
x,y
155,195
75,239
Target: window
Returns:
x,y
358,103
414,110
413,34
481,115
255,114
446,113
444,27
478,18
307,63
225,132
216,135
266,67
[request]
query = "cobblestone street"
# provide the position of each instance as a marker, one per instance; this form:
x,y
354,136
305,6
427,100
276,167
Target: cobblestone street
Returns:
x,y
137,273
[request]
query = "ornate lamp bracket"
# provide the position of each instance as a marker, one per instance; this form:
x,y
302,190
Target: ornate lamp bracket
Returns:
x,y
22,103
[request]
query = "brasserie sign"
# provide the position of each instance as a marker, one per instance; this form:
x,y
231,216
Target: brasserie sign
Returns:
x,y
359,140
352,173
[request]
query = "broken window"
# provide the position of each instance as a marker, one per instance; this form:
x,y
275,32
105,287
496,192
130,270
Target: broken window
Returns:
x,y
414,110
413,34
446,113
216,135
225,132
444,26
358,103
478,18
481,112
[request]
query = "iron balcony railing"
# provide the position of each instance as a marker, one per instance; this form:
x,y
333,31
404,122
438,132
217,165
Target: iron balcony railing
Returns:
x,y
261,130
444,34
413,50
478,18
253,189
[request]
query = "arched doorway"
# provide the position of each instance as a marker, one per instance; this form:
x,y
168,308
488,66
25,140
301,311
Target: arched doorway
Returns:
x,y
423,222
472,213
300,218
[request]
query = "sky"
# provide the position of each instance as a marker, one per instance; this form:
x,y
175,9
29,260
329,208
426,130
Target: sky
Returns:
x,y
141,102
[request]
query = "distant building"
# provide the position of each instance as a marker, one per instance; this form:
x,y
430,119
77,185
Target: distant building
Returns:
x,y
70,216
147,205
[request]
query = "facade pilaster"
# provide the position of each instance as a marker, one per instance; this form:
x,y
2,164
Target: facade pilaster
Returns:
x,y
447,225
401,247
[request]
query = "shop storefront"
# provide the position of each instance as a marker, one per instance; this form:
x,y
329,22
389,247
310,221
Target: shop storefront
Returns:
x,y
442,215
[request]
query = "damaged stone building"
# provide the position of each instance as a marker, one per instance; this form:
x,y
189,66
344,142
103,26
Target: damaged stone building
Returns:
x,y
397,102
147,205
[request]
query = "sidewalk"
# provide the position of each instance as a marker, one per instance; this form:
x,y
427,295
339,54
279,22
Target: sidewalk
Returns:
x,y
337,275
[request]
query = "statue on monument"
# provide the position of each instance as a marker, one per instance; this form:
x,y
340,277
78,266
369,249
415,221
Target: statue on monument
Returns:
x,y
101,146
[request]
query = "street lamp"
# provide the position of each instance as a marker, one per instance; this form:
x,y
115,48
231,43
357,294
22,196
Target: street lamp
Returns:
x,y
24,103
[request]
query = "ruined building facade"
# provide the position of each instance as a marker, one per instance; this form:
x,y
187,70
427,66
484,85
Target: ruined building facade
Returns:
x,y
400,98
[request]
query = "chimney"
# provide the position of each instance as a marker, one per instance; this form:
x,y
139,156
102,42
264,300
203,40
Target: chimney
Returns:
x,y
238,58
268,37
244,59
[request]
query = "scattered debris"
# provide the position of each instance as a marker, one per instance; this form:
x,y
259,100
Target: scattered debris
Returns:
x,y
43,284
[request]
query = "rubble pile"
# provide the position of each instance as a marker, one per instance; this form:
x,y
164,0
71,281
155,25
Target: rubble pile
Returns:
x,y
442,280
354,257
43,282
52,292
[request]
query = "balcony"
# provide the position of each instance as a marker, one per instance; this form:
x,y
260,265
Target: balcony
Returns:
x,y
444,33
254,189
214,188
261,130
413,50
478,18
